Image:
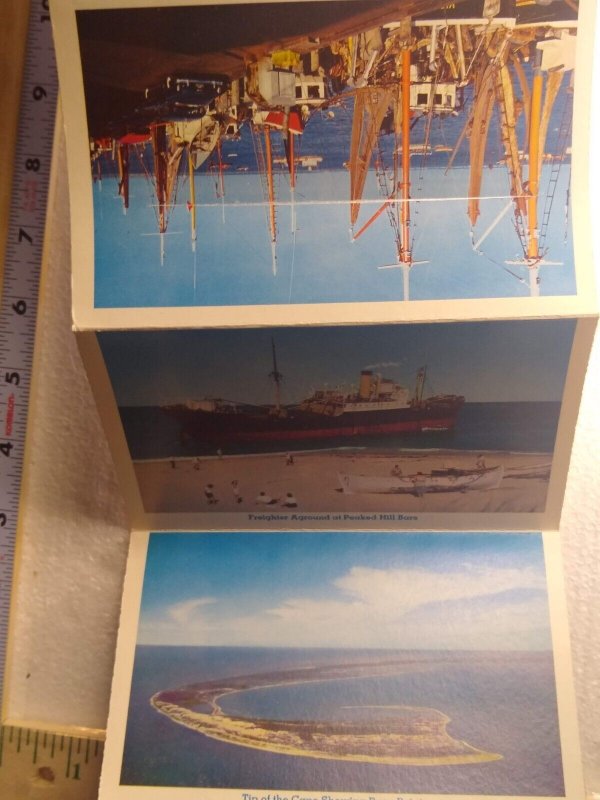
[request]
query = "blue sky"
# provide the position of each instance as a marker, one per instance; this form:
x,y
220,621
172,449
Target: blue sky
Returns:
x,y
484,361
232,264
411,591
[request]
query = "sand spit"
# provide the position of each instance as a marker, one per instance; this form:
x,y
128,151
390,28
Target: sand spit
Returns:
x,y
311,478
409,735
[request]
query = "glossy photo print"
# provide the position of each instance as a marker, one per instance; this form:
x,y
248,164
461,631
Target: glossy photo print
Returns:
x,y
338,664
317,153
375,425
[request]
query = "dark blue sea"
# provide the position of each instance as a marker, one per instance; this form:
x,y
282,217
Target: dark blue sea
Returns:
x,y
499,702
526,427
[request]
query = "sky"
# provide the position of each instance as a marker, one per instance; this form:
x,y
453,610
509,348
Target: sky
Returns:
x,y
346,590
319,263
495,361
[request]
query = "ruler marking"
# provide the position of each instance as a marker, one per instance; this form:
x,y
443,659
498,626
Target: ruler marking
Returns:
x,y
19,295
19,736
53,746
35,747
68,770
87,751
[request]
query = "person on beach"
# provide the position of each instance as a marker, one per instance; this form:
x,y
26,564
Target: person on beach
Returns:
x,y
209,493
196,463
480,463
265,499
289,460
289,501
235,488
397,470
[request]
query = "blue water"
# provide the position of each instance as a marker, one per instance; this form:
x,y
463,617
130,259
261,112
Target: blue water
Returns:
x,y
517,427
500,702
233,265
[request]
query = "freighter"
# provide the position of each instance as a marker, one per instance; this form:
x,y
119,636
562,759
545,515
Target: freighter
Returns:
x,y
377,406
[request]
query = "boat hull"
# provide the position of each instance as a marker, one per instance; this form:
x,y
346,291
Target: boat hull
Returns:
x,y
419,484
294,425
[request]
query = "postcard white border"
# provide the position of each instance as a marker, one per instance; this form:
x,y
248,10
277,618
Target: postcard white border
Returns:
x,y
86,317
230,521
121,687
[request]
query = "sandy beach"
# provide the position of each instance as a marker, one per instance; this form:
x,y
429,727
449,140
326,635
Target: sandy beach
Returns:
x,y
205,484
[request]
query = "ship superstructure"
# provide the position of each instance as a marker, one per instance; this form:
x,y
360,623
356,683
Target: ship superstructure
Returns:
x,y
379,405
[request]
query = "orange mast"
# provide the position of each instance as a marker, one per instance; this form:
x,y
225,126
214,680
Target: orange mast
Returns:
x,y
534,160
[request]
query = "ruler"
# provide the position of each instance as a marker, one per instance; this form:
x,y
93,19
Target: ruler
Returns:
x,y
40,764
22,266
33,763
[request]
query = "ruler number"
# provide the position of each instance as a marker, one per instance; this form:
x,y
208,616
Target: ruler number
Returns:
x,y
20,307
45,17
24,235
32,164
39,92
13,377
5,448
3,519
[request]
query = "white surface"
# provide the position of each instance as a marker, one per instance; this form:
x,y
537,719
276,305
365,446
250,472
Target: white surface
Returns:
x,y
74,535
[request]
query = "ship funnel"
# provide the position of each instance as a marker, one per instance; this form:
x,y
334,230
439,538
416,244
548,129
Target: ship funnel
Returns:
x,y
364,388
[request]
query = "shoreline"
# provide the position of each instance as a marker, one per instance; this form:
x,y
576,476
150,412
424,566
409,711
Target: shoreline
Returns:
x,y
416,735
248,733
223,483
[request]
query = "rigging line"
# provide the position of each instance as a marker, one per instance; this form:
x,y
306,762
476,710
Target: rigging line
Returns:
x,y
503,267
567,206
292,268
499,89
564,135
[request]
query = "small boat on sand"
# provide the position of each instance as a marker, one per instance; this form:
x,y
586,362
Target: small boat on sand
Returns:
x,y
450,480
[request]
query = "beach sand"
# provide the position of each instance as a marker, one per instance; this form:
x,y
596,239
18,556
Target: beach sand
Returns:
x,y
178,485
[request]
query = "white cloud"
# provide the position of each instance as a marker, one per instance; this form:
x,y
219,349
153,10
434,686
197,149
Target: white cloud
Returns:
x,y
186,611
474,608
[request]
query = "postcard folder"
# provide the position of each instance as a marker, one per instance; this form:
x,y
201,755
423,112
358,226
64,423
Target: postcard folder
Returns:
x,y
315,162
254,665
413,426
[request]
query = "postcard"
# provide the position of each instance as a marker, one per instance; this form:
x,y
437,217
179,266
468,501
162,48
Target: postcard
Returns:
x,y
307,162
315,665
418,426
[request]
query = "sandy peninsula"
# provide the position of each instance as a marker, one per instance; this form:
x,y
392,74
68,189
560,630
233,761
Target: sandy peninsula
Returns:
x,y
406,735
311,478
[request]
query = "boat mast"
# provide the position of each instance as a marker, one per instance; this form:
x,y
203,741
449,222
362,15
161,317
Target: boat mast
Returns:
x,y
277,378
159,148
221,183
292,170
420,386
123,165
404,254
533,250
192,200
271,194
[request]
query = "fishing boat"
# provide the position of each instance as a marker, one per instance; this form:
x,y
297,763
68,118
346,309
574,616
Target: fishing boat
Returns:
x,y
378,405
530,59
451,480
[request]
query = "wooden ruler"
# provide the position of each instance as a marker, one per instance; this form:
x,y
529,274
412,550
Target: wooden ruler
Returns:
x,y
42,764
33,763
